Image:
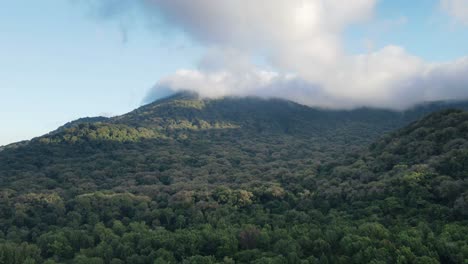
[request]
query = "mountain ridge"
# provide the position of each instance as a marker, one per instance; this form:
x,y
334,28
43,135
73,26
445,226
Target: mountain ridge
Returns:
x,y
193,103
240,181
405,116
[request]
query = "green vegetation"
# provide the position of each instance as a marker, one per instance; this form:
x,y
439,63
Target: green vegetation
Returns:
x,y
240,181
91,132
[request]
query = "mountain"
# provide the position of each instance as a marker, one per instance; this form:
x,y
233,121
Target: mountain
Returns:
x,y
237,133
241,180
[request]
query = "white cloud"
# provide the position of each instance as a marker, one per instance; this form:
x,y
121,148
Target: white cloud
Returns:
x,y
302,43
457,8
388,79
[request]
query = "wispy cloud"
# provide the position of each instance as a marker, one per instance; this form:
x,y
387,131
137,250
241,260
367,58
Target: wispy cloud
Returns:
x,y
458,9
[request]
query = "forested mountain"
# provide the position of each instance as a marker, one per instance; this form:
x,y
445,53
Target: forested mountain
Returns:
x,y
240,180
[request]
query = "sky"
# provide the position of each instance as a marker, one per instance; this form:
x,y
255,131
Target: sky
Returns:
x,y
65,59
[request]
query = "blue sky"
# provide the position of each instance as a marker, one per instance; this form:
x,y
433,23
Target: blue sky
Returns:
x,y
420,26
59,61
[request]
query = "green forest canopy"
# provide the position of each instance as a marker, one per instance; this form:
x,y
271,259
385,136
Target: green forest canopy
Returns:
x,y
240,181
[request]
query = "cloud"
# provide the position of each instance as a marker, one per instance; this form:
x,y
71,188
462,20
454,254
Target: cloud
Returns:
x,y
458,9
378,80
302,43
256,82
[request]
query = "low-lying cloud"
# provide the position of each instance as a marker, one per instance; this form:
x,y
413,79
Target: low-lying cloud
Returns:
x,y
302,43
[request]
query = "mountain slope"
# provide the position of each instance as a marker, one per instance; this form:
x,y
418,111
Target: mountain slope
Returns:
x,y
195,143
183,137
84,120
182,114
240,180
425,162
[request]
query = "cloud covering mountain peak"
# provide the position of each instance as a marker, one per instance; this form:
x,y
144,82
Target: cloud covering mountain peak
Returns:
x,y
303,47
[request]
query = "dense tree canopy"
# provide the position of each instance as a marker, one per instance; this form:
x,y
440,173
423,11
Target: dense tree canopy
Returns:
x,y
240,181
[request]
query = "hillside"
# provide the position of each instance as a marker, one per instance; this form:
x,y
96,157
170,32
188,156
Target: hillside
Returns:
x,y
425,162
79,121
240,180
201,142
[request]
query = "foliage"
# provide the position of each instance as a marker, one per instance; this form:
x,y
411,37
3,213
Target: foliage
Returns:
x,y
240,181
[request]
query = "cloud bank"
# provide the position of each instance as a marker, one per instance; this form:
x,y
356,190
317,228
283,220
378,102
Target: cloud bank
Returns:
x,y
302,43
